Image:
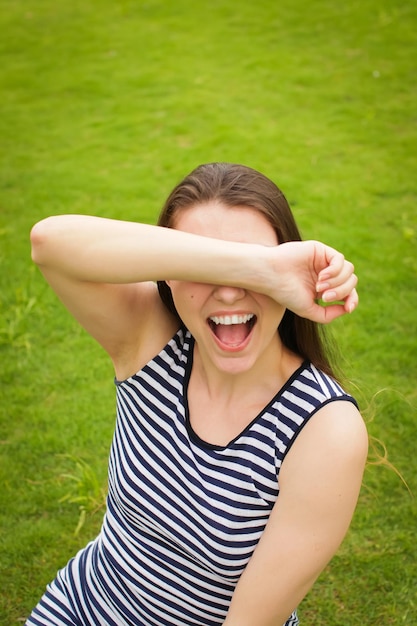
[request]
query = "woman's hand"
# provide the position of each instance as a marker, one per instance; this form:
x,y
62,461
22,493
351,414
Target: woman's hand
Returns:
x,y
315,281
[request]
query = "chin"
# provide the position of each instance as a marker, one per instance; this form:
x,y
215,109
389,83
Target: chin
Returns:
x,y
234,365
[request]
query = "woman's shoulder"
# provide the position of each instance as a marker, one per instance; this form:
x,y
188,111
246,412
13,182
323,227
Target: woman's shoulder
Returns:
x,y
312,384
306,393
315,405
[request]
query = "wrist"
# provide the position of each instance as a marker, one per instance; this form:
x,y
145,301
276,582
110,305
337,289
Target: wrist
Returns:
x,y
270,270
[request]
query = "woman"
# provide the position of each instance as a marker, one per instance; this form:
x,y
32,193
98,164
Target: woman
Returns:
x,y
213,407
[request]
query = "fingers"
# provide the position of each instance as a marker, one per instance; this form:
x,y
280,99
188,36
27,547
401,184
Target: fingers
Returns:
x,y
326,314
333,291
337,272
352,301
330,313
336,285
333,263
337,281
330,282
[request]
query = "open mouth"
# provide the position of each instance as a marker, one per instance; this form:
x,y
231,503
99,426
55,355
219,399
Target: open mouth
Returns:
x,y
232,331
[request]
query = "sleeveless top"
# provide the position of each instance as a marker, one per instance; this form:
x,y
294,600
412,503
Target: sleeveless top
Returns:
x,y
183,516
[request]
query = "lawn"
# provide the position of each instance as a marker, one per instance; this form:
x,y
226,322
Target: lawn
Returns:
x,y
104,107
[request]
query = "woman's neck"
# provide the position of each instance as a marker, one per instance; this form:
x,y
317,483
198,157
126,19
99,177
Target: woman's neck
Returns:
x,y
222,404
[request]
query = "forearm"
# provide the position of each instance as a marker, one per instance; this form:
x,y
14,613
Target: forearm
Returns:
x,y
102,250
264,604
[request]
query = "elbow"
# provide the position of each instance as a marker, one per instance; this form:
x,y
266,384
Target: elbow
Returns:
x,y
41,236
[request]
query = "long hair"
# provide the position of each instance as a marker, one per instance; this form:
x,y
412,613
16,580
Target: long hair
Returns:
x,y
237,185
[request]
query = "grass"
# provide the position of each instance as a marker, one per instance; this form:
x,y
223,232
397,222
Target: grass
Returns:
x,y
105,106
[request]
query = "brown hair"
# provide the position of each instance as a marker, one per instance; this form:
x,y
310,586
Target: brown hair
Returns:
x,y
238,185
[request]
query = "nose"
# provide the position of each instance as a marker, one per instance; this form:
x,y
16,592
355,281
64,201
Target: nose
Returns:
x,y
228,295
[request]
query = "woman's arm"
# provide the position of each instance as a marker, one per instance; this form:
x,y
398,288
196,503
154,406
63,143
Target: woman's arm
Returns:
x,y
103,270
101,250
319,485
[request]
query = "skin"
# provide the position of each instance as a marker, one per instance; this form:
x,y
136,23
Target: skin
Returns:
x,y
222,380
104,273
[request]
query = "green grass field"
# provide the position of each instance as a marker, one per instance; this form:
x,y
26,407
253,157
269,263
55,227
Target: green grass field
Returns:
x,y
104,107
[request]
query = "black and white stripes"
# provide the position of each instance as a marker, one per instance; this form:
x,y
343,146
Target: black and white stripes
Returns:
x,y
183,517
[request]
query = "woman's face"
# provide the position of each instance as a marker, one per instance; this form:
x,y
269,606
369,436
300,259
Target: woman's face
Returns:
x,y
233,328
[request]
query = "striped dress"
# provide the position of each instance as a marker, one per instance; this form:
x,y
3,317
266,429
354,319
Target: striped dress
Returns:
x,y
183,517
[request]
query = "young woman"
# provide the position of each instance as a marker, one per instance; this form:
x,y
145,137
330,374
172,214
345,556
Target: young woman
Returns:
x,y
237,457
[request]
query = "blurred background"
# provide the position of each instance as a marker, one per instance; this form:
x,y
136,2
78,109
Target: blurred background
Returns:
x,y
104,107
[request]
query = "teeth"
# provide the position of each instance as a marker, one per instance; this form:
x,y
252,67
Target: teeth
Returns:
x,y
228,320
